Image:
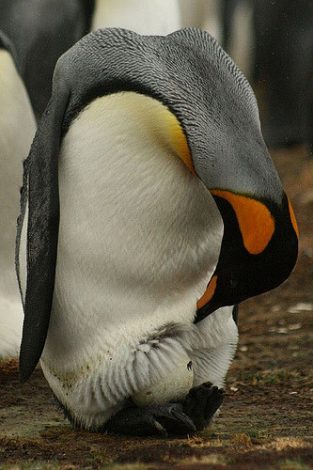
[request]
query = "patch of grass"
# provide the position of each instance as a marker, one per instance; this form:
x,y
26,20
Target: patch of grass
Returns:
x,y
64,466
216,436
289,464
241,440
98,456
269,377
37,466
127,466
210,459
258,433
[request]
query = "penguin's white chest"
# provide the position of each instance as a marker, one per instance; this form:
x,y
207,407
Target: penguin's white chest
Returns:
x,y
139,234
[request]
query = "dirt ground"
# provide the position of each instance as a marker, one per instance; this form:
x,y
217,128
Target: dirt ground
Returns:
x,y
267,417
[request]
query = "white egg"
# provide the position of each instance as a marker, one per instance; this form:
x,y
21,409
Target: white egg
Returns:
x,y
173,387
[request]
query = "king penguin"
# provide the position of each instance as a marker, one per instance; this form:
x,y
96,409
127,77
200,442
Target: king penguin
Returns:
x,y
203,14
150,206
149,17
17,129
41,31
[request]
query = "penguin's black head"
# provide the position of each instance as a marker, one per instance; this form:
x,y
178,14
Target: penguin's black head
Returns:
x,y
259,250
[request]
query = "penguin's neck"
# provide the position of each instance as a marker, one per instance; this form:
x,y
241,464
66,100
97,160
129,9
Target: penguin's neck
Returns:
x,y
139,234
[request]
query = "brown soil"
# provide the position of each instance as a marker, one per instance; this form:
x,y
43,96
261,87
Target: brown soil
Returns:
x,y
267,417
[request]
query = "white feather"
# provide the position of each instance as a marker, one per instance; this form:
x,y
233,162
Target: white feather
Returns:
x,y
17,128
214,347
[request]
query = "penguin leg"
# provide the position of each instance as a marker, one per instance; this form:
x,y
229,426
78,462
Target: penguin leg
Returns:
x,y
201,404
159,420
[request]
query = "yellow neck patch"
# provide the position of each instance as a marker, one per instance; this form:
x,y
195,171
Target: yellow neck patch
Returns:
x,y
177,139
255,221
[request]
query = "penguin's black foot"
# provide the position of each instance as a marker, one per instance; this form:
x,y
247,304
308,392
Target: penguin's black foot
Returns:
x,y
158,420
201,403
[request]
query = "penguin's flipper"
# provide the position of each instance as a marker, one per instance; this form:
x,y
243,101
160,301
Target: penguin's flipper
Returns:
x,y
201,404
40,197
158,420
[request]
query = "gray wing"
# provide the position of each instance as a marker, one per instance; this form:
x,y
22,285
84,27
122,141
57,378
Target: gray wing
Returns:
x,y
40,192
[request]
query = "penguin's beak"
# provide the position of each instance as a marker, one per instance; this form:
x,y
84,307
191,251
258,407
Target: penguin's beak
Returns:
x,y
259,249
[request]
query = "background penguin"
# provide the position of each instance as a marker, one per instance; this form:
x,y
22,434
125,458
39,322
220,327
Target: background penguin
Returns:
x,y
41,31
17,129
149,202
203,14
283,66
229,21
272,43
149,17
238,32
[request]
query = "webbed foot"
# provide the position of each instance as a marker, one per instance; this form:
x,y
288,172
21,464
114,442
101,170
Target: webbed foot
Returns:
x,y
201,403
158,420
176,419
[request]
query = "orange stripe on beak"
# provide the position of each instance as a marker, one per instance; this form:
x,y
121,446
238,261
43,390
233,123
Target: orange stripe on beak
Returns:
x,y
256,223
293,219
207,296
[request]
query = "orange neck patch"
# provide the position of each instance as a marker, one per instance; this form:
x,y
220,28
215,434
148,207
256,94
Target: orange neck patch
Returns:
x,y
255,221
208,295
293,219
